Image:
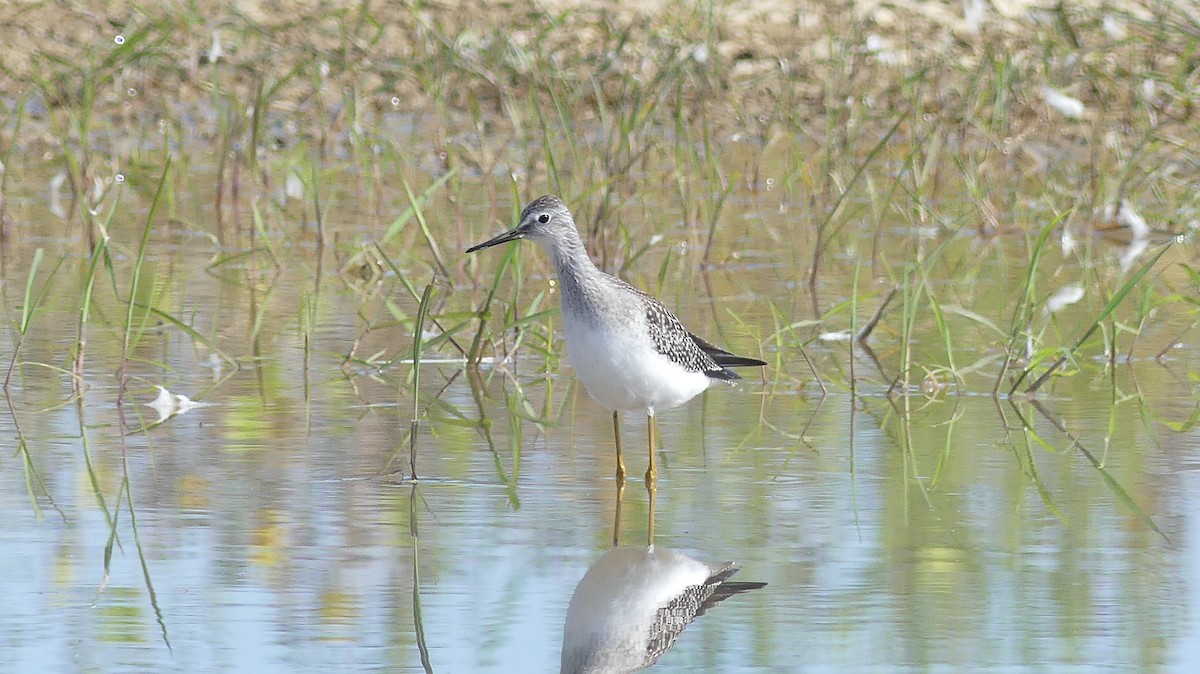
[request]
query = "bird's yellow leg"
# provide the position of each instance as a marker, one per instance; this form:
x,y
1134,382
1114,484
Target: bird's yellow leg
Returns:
x,y
651,472
617,438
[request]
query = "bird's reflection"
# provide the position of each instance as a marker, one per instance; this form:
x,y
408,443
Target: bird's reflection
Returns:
x,y
635,601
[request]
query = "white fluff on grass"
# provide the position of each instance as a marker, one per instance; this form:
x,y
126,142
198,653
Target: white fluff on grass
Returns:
x,y
883,50
1132,252
973,14
56,188
1068,242
1069,107
214,49
1149,90
1126,215
293,187
1114,27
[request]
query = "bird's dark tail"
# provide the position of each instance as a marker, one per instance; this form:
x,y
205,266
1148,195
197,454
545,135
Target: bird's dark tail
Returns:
x,y
724,359
723,588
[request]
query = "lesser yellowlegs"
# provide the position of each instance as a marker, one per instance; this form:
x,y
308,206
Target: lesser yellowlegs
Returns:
x,y
630,351
634,602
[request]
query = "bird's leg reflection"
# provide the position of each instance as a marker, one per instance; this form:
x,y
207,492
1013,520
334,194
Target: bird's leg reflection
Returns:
x,y
651,479
620,460
617,513
651,472
651,490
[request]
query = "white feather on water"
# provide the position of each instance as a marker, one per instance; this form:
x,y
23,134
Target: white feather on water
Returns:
x,y
168,404
1065,297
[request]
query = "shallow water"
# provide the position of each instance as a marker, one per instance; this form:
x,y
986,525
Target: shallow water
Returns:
x,y
279,530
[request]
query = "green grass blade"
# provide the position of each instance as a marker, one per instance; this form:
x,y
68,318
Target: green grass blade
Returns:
x,y
401,220
27,306
140,260
1113,301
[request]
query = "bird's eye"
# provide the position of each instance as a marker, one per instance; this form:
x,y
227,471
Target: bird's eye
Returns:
x,y
543,218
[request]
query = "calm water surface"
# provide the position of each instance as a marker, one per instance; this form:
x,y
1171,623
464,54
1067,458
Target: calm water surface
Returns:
x,y
895,534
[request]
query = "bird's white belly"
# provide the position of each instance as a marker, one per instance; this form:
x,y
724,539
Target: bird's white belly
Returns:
x,y
621,370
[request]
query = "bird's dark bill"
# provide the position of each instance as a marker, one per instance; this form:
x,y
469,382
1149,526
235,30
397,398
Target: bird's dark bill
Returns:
x,y
510,235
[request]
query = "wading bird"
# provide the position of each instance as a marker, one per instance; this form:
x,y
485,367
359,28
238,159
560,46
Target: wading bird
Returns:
x,y
630,351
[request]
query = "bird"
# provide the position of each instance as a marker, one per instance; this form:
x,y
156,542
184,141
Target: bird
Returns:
x,y
629,351
634,602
